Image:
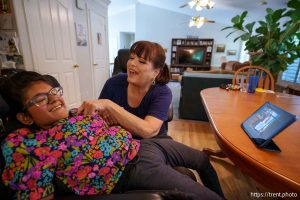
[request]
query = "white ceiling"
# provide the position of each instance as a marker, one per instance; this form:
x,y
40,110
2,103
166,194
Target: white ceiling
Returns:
x,y
222,12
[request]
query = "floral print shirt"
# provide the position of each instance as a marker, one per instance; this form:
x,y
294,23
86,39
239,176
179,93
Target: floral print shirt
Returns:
x,y
82,152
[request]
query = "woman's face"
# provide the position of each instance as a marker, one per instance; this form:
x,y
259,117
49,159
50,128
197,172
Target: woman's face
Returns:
x,y
140,71
44,116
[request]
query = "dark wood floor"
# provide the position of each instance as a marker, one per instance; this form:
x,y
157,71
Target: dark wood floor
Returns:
x,y
197,134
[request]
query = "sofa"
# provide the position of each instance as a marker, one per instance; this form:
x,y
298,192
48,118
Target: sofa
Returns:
x,y
190,105
233,65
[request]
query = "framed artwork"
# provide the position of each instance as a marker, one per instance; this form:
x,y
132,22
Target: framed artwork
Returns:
x,y
6,21
208,49
231,52
81,35
4,7
220,48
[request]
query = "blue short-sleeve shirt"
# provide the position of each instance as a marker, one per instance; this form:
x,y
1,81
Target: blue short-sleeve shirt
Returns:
x,y
155,103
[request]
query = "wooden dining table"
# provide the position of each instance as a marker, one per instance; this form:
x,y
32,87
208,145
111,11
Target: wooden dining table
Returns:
x,y
226,110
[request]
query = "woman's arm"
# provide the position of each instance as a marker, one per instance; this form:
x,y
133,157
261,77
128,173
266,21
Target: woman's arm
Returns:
x,y
113,113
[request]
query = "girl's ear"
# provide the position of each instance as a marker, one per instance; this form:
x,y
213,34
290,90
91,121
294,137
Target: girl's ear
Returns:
x,y
24,119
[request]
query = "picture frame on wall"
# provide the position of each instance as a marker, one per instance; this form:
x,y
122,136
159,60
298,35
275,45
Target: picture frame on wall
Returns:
x,y
81,35
208,49
231,52
220,48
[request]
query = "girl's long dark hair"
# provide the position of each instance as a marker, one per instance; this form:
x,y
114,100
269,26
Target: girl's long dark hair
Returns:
x,y
12,90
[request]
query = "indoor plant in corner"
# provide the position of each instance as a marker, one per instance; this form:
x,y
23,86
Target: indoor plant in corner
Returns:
x,y
275,42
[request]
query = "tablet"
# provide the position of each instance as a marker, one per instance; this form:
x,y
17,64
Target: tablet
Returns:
x,y
265,123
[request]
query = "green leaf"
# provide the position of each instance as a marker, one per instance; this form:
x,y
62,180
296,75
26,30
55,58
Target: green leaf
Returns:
x,y
235,19
249,27
237,38
294,4
231,33
295,15
243,15
228,27
245,36
262,30
269,10
277,15
290,31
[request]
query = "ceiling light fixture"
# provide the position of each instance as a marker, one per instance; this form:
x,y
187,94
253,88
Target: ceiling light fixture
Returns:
x,y
199,21
200,4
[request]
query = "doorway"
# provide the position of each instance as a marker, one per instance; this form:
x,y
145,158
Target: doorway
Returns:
x,y
126,40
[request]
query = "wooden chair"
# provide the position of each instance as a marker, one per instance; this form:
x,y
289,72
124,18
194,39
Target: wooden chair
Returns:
x,y
266,80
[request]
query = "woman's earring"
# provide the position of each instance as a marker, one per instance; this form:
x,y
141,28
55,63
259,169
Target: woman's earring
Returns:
x,y
153,82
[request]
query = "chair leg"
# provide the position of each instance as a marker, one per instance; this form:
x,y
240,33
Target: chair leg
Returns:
x,y
216,153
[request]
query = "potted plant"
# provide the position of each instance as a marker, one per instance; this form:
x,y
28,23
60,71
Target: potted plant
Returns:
x,y
275,42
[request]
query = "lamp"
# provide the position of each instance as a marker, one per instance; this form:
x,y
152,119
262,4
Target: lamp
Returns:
x,y
199,21
200,4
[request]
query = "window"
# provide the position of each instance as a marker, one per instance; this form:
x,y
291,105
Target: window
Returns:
x,y
244,55
292,73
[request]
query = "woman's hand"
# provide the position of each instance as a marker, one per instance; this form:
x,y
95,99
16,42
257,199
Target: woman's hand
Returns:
x,y
100,107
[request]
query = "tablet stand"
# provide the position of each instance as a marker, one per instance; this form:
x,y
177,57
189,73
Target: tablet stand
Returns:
x,y
271,146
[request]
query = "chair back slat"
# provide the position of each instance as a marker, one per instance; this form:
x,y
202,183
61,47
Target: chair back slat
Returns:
x,y
260,80
266,80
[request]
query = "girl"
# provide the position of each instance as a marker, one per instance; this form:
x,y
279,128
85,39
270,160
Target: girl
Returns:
x,y
84,153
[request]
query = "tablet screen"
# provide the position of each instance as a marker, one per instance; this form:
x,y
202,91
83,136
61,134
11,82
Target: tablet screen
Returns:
x,y
266,122
263,121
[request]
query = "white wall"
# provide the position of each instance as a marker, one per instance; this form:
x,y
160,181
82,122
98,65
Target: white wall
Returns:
x,y
160,25
121,22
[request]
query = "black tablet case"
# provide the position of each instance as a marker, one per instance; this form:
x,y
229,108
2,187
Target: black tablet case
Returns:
x,y
265,123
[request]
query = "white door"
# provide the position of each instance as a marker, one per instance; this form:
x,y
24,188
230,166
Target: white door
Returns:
x,y
99,48
52,37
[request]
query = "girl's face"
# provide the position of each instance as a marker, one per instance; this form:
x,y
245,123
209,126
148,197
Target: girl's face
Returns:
x,y
140,71
46,114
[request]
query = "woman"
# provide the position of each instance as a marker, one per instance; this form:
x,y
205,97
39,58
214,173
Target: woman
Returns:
x,y
84,153
139,100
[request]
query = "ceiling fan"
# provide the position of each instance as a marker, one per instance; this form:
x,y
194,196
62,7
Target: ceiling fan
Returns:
x,y
199,4
199,21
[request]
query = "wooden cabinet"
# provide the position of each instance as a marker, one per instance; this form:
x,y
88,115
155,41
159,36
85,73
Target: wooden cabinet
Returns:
x,y
190,53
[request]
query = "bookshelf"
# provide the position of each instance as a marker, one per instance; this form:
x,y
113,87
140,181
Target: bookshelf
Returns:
x,y
181,62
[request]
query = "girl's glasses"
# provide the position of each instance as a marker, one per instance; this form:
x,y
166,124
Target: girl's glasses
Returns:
x,y
43,98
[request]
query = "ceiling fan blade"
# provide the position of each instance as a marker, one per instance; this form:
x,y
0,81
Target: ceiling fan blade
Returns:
x,y
184,5
208,21
263,2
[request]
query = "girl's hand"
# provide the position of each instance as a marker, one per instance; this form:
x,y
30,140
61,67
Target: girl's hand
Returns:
x,y
90,107
100,107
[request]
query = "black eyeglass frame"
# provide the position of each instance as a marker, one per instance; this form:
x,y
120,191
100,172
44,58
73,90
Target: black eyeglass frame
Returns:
x,y
55,91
